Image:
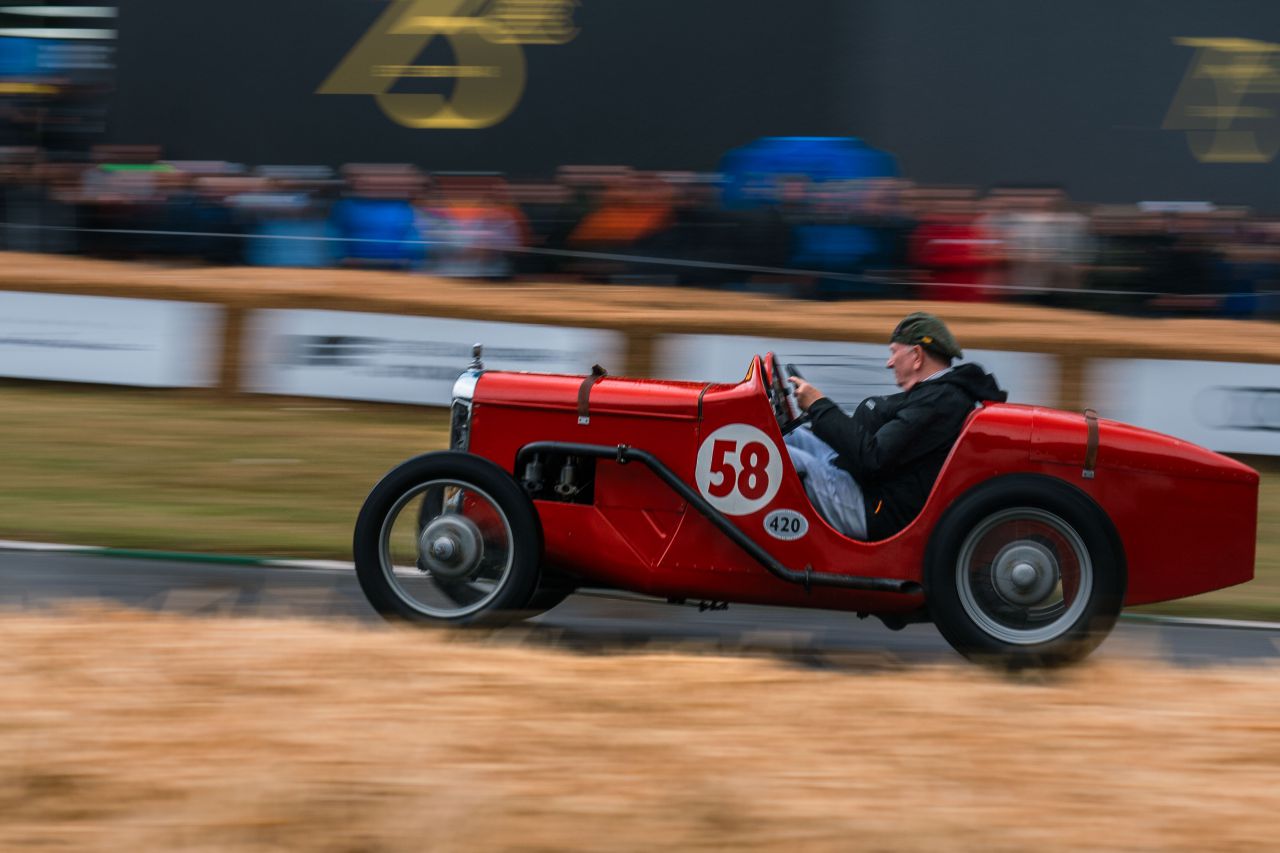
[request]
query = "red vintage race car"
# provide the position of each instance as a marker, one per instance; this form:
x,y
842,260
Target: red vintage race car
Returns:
x,y
1042,525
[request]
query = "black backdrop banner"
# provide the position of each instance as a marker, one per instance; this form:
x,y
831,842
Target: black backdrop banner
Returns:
x,y
1116,100
654,83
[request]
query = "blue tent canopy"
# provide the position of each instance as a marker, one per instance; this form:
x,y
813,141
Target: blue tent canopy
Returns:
x,y
19,57
819,158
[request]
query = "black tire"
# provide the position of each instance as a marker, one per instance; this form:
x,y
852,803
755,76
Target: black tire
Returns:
x,y
1025,571
391,592
552,590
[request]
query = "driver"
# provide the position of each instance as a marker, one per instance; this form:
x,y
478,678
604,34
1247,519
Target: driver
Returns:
x,y
871,472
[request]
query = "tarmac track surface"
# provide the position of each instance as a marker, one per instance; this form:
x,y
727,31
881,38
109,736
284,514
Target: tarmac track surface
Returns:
x,y
597,622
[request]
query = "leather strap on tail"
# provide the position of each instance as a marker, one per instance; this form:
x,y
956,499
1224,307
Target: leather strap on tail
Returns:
x,y
1091,449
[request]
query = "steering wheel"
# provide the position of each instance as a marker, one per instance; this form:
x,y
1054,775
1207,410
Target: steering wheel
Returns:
x,y
782,394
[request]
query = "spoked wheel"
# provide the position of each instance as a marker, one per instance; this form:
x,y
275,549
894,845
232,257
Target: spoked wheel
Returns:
x,y
430,508
1024,575
448,537
1025,571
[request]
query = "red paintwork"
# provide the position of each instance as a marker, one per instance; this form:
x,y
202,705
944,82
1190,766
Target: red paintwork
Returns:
x,y
1186,517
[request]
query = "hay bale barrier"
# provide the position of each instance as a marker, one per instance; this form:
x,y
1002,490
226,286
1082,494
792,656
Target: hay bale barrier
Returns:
x,y
645,310
123,730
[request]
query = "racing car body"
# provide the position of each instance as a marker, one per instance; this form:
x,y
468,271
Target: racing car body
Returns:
x,y
1041,525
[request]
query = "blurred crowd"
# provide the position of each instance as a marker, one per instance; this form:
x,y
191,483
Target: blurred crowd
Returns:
x,y
786,234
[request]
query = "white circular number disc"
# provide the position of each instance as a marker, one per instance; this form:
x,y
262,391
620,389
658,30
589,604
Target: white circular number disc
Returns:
x,y
739,469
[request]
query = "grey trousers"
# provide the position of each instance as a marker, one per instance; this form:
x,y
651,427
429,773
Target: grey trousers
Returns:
x,y
832,490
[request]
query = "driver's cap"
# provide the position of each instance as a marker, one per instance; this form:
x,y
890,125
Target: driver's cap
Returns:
x,y
928,331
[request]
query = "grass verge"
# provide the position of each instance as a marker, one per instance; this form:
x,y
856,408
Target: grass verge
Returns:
x,y
184,472
187,472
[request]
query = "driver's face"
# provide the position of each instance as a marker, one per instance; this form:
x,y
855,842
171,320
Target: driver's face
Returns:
x,y
905,362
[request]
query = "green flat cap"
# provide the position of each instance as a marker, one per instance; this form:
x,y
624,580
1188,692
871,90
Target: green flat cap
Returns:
x,y
929,332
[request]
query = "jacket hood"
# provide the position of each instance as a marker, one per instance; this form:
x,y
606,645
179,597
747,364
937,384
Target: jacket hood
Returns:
x,y
975,381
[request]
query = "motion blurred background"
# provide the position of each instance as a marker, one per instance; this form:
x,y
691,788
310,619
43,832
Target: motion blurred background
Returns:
x,y
245,248
1093,154
629,174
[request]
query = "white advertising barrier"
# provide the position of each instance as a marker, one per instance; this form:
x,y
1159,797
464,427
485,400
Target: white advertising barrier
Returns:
x,y
109,340
848,373
392,358
1224,406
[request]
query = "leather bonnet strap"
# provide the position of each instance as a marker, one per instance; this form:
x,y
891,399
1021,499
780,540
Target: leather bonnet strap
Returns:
x,y
584,393
1091,449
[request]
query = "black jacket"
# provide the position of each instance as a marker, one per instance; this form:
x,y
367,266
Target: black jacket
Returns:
x,y
895,446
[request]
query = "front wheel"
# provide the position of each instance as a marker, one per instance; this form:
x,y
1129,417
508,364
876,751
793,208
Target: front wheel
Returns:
x,y
449,538
1025,571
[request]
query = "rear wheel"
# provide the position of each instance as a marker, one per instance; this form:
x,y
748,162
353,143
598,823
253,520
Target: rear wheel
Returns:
x,y
1024,571
448,538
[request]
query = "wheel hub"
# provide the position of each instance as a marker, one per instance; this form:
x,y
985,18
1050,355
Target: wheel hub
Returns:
x,y
450,547
1025,572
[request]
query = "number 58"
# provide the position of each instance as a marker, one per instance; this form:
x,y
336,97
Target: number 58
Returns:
x,y
751,479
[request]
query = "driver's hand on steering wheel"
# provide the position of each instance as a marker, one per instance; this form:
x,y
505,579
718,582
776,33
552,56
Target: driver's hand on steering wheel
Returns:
x,y
806,394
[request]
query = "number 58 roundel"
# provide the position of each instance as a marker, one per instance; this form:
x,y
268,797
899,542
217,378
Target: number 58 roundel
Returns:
x,y
739,469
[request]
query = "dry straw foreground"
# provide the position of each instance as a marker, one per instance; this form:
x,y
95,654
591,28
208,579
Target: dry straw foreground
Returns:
x,y
124,731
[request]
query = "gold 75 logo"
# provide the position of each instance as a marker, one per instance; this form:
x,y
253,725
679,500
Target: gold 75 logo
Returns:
x,y
487,38
1227,103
